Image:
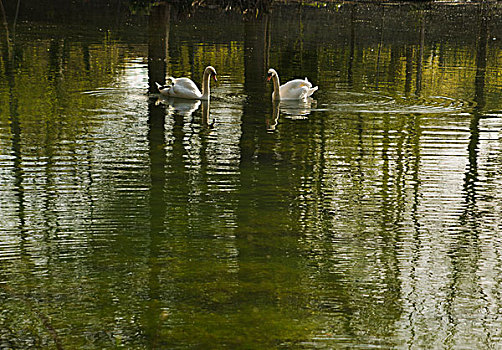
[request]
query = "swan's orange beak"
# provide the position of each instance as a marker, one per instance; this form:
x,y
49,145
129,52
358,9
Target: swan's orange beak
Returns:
x,y
269,77
214,77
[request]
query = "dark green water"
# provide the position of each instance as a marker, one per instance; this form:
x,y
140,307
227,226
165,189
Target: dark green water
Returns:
x,y
369,217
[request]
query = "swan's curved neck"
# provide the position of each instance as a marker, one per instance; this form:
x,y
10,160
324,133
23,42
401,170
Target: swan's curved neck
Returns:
x,y
205,85
275,81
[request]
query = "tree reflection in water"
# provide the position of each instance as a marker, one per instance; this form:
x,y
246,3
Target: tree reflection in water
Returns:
x,y
368,217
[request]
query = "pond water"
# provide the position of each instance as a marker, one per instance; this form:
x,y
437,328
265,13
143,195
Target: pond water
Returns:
x,y
367,217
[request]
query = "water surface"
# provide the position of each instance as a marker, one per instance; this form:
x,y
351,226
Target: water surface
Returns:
x,y
368,217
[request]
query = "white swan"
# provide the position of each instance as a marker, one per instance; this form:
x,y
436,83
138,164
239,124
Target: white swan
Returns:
x,y
186,88
297,89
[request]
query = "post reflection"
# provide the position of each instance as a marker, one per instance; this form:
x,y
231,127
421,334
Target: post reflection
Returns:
x,y
421,48
158,208
158,46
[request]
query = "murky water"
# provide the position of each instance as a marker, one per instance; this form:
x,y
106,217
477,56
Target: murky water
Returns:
x,y
368,217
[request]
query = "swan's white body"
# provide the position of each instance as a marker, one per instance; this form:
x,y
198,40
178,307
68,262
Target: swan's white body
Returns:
x,y
186,88
297,89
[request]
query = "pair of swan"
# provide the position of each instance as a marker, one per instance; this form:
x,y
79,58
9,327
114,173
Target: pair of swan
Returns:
x,y
297,89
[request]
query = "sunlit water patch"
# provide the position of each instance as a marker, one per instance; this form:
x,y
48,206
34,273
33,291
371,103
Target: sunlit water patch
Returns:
x,y
351,102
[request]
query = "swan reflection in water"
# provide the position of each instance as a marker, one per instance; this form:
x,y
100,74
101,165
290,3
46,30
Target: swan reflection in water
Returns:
x,y
179,106
185,108
292,109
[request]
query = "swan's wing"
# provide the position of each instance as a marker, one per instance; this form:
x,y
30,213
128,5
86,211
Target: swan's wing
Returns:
x,y
182,81
295,89
185,88
304,92
295,84
187,84
298,93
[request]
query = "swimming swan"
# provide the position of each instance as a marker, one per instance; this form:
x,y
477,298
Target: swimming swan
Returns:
x,y
297,89
186,88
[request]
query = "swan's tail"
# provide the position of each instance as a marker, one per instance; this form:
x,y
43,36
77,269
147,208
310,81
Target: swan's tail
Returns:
x,y
170,81
311,91
163,89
